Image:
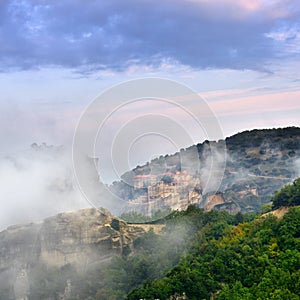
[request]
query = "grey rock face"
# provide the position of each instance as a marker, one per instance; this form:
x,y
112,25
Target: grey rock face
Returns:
x,y
79,239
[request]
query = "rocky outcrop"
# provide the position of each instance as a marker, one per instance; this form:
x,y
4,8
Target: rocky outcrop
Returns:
x,y
156,228
218,201
210,201
279,212
79,239
258,162
178,297
163,196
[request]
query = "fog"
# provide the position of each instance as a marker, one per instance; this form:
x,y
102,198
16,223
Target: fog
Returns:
x,y
213,165
297,167
37,183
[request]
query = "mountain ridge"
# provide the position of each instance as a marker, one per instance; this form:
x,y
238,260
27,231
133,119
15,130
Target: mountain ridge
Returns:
x,y
258,162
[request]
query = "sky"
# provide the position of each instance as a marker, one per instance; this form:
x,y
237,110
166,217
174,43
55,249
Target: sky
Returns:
x,y
57,56
241,57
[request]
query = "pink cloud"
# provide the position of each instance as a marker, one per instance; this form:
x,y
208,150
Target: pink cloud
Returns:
x,y
215,95
271,8
276,102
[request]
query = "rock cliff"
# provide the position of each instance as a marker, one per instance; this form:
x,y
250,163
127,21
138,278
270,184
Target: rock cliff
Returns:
x,y
79,239
246,168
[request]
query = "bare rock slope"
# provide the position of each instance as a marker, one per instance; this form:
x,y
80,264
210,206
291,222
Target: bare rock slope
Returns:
x,y
80,239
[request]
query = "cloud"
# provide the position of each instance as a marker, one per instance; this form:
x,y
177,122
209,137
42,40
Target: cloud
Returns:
x,y
297,167
272,102
36,184
254,108
118,34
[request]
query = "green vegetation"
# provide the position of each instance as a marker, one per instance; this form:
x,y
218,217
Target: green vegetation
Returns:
x,y
205,255
259,259
154,255
288,195
115,224
255,138
136,217
210,255
167,179
49,282
253,260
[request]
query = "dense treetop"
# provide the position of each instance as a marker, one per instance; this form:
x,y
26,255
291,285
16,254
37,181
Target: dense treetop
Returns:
x,y
288,195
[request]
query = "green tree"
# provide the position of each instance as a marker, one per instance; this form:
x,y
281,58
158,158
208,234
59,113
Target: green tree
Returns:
x,y
288,195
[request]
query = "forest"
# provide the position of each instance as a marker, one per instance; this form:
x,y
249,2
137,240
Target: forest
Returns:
x,y
208,255
255,259
202,255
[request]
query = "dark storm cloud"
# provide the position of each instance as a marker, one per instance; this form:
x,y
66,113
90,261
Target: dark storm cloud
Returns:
x,y
116,34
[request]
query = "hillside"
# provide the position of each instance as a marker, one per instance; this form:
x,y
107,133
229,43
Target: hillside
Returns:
x,y
247,168
37,261
259,259
253,260
192,254
90,254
